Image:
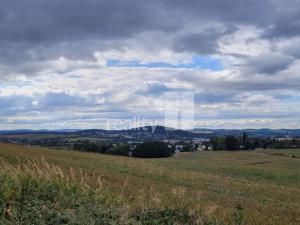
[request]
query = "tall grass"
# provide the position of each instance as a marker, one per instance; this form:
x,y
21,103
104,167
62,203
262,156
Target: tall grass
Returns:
x,y
44,193
200,188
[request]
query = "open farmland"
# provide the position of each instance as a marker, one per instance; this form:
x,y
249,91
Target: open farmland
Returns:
x,y
192,188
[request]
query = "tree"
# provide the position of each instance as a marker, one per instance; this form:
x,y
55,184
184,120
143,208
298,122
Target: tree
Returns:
x,y
244,138
218,143
187,148
88,146
231,143
121,149
154,149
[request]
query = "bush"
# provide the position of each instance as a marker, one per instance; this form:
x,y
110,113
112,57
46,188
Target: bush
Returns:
x,y
153,149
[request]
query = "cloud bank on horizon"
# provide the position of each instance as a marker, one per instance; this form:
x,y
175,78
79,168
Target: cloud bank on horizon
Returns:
x,y
79,63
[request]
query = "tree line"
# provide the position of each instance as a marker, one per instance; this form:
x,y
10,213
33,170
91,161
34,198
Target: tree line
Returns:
x,y
151,149
233,143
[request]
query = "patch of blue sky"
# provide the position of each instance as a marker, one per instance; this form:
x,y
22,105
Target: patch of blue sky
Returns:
x,y
18,84
288,98
198,62
295,99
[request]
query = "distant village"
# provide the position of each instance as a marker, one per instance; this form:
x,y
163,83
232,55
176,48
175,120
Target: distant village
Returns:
x,y
177,140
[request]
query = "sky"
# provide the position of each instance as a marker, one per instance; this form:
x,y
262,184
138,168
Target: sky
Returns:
x,y
100,63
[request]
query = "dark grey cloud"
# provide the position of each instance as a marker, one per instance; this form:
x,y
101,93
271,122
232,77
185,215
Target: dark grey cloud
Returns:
x,y
47,21
268,63
39,24
276,17
37,30
204,42
285,21
232,11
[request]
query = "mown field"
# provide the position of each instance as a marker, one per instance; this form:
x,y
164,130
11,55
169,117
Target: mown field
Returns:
x,y
67,187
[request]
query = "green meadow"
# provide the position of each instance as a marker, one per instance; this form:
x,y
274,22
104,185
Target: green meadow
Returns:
x,y
46,186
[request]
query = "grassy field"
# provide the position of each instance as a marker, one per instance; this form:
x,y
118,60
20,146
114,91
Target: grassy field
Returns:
x,y
261,187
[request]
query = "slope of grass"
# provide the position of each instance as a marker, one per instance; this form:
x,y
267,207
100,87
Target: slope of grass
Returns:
x,y
193,188
290,153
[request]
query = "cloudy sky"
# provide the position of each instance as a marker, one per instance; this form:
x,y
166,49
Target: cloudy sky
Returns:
x,y
82,63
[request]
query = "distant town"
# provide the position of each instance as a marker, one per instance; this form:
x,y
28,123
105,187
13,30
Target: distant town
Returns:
x,y
123,142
